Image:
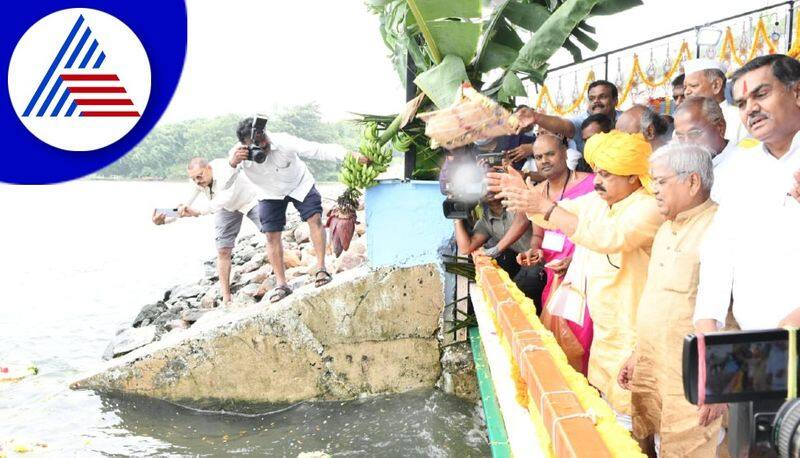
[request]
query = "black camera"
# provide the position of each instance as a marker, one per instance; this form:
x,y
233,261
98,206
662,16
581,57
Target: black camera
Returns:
x,y
255,152
463,184
750,370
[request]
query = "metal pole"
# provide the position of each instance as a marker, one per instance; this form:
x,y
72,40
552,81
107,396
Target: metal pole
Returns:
x,y
697,42
605,77
411,92
791,25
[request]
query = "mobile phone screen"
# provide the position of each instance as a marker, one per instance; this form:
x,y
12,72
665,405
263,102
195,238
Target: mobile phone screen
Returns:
x,y
739,366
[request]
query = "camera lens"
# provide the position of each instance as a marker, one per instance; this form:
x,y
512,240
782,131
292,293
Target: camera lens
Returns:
x,y
785,435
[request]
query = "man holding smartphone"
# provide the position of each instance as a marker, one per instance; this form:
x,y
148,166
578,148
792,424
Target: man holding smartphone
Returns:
x,y
230,198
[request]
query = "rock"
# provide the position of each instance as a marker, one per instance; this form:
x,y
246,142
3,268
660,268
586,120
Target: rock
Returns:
x,y
149,313
291,258
129,340
244,252
250,289
176,324
252,265
210,268
266,286
349,261
302,234
358,246
208,301
190,316
188,291
295,272
307,256
258,276
361,229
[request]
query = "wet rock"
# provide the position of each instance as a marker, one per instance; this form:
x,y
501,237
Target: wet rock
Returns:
x,y
129,340
149,313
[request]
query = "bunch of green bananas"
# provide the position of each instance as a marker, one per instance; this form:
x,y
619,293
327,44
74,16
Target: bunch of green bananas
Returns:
x,y
356,175
402,142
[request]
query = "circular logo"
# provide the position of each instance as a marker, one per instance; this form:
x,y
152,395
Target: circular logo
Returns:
x,y
79,79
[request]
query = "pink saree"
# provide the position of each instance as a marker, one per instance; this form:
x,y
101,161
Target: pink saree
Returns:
x,y
583,333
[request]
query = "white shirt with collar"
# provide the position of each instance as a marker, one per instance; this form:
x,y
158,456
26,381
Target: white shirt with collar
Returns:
x,y
721,162
227,190
753,245
735,131
283,173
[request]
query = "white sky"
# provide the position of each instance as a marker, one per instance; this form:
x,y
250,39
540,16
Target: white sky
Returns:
x,y
330,51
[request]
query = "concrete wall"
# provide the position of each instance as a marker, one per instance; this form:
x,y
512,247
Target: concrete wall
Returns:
x,y
405,225
368,332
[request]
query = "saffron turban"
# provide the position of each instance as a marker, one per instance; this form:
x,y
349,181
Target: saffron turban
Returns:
x,y
621,154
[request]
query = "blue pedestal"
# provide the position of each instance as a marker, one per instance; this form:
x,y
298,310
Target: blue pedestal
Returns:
x,y
405,225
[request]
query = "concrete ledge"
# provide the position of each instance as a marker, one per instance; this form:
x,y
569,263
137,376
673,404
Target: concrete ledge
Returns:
x,y
367,332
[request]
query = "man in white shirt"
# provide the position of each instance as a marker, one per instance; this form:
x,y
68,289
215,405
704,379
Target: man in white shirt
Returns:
x,y
282,178
752,246
706,78
699,120
229,199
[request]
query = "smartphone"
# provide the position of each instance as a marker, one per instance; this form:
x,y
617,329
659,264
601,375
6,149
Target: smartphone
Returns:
x,y
170,212
739,366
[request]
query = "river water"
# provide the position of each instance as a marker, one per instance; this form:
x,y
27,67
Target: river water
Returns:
x,y
78,261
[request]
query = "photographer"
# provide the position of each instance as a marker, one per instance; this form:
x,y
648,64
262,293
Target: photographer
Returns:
x,y
282,177
513,235
229,199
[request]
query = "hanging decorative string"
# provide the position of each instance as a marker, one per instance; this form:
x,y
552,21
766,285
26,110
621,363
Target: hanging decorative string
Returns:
x,y
636,75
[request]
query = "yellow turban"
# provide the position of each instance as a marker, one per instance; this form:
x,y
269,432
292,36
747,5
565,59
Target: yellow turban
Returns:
x,y
620,153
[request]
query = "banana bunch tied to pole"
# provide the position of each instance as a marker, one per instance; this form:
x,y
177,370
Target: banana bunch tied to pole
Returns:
x,y
358,175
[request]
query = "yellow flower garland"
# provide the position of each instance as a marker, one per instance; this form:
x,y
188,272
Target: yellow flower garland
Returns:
x,y
617,439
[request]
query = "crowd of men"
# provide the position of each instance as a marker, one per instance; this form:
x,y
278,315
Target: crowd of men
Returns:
x,y
689,223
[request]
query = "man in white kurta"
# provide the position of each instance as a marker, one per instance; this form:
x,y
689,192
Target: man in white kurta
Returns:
x,y
706,78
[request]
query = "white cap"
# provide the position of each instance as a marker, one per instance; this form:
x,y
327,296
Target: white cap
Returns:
x,y
696,65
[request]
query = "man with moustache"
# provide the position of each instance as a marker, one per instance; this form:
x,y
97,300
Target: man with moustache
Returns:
x,y
763,215
616,225
601,98
682,179
706,78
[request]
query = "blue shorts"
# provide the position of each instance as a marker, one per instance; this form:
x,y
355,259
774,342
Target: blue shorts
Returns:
x,y
272,212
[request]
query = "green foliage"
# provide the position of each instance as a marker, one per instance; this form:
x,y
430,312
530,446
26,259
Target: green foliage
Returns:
x,y
165,152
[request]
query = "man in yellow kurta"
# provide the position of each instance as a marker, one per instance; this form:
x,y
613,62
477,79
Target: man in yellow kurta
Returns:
x,y
682,177
616,224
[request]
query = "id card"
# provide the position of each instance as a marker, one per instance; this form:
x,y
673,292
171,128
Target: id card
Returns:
x,y
553,241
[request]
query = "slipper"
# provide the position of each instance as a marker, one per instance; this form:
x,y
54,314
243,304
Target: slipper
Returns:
x,y
279,293
324,279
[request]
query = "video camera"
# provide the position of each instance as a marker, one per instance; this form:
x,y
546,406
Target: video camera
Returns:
x,y
750,367
255,152
463,178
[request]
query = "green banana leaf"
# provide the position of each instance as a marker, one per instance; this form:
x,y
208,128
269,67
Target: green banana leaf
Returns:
x,y
447,25
441,82
552,34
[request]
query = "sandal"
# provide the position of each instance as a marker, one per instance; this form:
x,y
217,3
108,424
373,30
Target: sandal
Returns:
x,y
324,280
279,293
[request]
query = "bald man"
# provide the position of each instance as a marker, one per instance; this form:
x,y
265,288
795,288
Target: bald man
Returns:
x,y
706,78
230,198
642,119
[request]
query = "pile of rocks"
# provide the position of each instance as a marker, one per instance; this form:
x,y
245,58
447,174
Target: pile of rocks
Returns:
x,y
251,278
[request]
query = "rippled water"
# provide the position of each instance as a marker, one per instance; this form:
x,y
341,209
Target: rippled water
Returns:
x,y
79,260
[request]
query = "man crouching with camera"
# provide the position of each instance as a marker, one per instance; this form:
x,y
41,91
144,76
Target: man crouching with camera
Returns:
x,y
272,164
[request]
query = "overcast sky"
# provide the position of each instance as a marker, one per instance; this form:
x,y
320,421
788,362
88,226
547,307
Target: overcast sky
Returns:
x,y
331,52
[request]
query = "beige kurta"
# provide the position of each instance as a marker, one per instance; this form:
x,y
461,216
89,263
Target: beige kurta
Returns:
x,y
664,319
618,239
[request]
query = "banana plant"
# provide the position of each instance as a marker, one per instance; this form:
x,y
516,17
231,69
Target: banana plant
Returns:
x,y
453,41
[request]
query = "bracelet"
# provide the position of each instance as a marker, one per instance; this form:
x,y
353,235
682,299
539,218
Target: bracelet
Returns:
x,y
549,212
